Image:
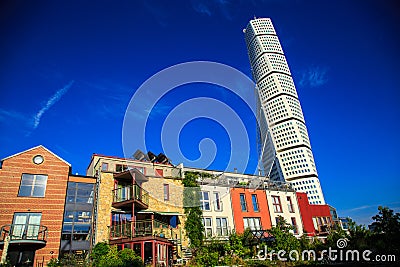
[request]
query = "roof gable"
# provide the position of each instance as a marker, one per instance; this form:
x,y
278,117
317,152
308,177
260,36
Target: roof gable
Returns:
x,y
36,147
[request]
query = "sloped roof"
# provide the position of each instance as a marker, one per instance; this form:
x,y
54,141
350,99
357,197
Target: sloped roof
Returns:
x,y
39,146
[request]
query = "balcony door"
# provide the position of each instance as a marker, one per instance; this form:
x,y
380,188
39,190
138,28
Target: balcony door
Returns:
x,y
26,225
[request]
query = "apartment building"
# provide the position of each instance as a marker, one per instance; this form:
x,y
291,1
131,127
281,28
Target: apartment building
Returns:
x,y
216,204
282,203
140,206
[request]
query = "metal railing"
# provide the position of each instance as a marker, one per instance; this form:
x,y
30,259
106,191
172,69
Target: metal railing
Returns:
x,y
23,232
131,192
142,228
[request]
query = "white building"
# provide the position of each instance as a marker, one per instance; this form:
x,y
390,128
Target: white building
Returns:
x,y
284,144
282,201
216,204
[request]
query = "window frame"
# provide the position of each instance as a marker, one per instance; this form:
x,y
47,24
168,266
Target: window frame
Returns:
x,y
254,201
290,204
208,230
217,201
26,230
276,202
203,201
243,202
24,183
222,230
252,226
104,164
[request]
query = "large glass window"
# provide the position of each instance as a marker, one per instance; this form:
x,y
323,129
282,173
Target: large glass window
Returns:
x,y
222,226
80,193
243,202
32,185
205,200
78,215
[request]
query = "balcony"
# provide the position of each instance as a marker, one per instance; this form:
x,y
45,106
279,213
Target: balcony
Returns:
x,y
144,228
124,197
23,235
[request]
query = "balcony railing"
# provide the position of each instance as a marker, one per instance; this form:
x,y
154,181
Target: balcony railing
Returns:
x,y
144,228
131,192
23,233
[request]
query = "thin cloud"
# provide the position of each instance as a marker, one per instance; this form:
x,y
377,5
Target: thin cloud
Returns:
x,y
201,8
363,214
211,8
6,115
373,206
314,76
50,103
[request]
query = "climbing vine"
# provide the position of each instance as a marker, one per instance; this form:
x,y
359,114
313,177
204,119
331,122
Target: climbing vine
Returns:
x,y
194,226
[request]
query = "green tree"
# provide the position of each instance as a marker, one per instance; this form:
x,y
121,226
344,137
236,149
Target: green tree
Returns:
x,y
129,258
359,237
386,231
100,250
104,255
283,238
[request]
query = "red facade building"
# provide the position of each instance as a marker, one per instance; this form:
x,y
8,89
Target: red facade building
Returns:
x,y
250,209
317,219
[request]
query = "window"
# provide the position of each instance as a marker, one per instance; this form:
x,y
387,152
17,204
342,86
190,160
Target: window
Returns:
x,y
120,168
26,225
290,204
255,203
243,202
217,202
32,185
276,201
104,166
222,226
294,224
252,223
166,192
205,200
207,222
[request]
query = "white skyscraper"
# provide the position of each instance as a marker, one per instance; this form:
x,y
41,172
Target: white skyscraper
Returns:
x,y
283,140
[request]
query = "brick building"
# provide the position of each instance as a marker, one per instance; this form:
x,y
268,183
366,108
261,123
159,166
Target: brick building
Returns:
x,y
32,201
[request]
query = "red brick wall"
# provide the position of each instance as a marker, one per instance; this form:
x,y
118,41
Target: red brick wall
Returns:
x,y
51,206
238,214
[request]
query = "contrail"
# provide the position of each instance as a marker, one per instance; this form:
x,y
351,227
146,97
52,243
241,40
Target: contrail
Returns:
x,y
50,103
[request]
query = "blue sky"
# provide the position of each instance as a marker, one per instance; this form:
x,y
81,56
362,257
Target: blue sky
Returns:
x,y
68,70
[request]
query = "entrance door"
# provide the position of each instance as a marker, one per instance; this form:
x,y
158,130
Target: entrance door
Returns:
x,y
26,225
